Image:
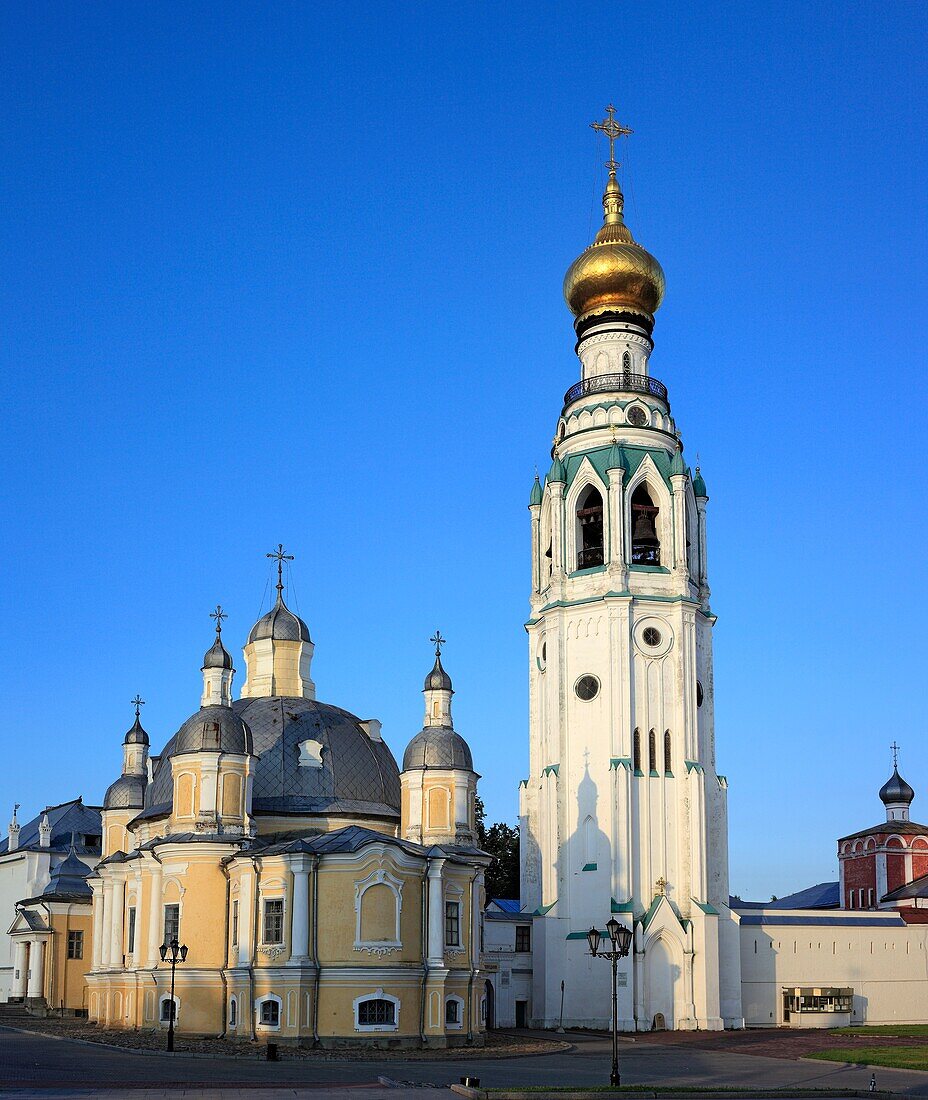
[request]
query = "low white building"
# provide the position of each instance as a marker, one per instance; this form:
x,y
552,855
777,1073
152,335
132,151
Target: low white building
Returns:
x,y
29,855
507,947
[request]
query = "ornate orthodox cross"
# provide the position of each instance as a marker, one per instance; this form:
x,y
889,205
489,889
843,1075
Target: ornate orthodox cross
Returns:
x,y
138,702
612,130
218,615
438,641
280,556
661,885
895,749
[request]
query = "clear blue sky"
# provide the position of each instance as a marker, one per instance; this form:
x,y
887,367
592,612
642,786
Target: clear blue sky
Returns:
x,y
292,272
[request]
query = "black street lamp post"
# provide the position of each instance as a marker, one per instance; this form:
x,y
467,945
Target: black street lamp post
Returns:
x,y
177,951
620,939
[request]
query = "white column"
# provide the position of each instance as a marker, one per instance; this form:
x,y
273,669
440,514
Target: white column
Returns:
x,y
245,919
557,530
537,551
436,939
616,522
116,930
678,483
299,936
107,952
475,916
154,917
36,986
96,961
21,967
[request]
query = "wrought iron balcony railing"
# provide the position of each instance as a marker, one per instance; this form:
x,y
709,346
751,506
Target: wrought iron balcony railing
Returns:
x,y
627,381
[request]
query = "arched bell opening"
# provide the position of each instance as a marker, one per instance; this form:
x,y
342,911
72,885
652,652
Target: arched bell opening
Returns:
x,y
646,546
590,529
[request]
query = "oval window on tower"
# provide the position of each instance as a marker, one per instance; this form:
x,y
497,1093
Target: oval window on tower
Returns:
x,y
698,694
587,688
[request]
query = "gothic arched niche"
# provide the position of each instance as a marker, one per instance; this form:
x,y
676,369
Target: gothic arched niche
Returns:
x,y
646,546
590,528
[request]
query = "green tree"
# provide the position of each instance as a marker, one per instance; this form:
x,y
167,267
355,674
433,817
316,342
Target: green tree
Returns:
x,y
502,842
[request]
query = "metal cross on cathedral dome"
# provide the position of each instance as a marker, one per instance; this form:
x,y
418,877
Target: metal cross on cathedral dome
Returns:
x,y
613,130
138,702
218,615
438,641
280,555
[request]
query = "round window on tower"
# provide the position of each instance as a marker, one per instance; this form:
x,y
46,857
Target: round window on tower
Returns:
x,y
636,416
651,636
587,688
698,694
541,657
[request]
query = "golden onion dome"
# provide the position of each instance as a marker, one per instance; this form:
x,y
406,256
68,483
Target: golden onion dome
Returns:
x,y
614,273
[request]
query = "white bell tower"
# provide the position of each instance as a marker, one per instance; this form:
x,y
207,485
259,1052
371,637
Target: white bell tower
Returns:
x,y
623,812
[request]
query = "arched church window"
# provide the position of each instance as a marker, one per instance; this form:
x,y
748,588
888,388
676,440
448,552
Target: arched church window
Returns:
x,y
667,758
626,362
590,529
636,750
550,557
652,751
646,546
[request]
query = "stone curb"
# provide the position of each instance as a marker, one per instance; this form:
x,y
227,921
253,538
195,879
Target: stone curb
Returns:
x,y
861,1065
664,1094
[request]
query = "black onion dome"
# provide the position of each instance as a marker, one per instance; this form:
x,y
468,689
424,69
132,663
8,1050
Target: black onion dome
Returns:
x,y
358,776
438,747
136,736
280,624
437,679
217,656
213,729
895,789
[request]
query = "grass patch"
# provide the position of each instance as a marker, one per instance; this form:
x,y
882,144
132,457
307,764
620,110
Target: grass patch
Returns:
x,y
907,1057
900,1031
673,1090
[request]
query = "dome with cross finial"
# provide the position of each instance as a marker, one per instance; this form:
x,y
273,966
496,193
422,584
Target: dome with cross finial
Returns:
x,y
615,273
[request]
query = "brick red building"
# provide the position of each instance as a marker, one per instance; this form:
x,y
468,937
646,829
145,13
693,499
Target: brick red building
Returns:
x,y
886,866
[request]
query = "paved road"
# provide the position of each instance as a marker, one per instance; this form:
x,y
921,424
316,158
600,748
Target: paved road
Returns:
x,y
40,1066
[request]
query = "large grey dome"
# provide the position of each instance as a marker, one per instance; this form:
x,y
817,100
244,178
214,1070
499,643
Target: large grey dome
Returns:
x,y
127,793
357,775
895,789
281,624
217,729
438,747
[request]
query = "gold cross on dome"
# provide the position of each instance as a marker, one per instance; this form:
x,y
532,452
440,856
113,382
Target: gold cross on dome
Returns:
x,y
613,130
138,702
438,641
661,885
281,556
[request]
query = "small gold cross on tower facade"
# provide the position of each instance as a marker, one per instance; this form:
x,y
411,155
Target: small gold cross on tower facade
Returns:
x,y
661,885
613,130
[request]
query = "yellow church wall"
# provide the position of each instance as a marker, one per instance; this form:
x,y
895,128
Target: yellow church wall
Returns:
x,y
64,978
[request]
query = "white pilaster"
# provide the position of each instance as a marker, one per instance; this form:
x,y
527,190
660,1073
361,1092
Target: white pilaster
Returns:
x,y
36,983
20,968
299,936
155,918
436,914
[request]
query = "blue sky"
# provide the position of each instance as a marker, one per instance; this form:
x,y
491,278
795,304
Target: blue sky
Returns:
x,y
292,273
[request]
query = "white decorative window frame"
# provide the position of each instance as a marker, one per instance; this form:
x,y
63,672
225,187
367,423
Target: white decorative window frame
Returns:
x,y
460,1020
586,478
377,995
259,1001
272,890
454,894
378,948
162,1022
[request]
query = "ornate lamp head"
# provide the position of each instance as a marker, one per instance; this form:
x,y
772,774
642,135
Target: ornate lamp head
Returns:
x,y
593,938
163,949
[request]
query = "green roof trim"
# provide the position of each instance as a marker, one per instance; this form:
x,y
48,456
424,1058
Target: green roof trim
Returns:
x,y
632,457
699,485
668,774
535,497
649,569
652,909
709,910
557,473
692,765
543,910
639,773
652,774
625,907
620,762
677,465
583,935
641,596
523,782
586,572
549,768
589,867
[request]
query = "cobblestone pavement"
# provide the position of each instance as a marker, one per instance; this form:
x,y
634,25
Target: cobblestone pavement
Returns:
x,y
43,1067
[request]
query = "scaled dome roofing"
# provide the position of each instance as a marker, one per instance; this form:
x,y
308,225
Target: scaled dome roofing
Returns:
x,y
215,728
437,679
357,776
136,735
895,789
127,793
280,624
438,747
217,656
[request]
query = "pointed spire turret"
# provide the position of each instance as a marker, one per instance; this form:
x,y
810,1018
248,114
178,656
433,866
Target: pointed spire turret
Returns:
x,y
217,668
